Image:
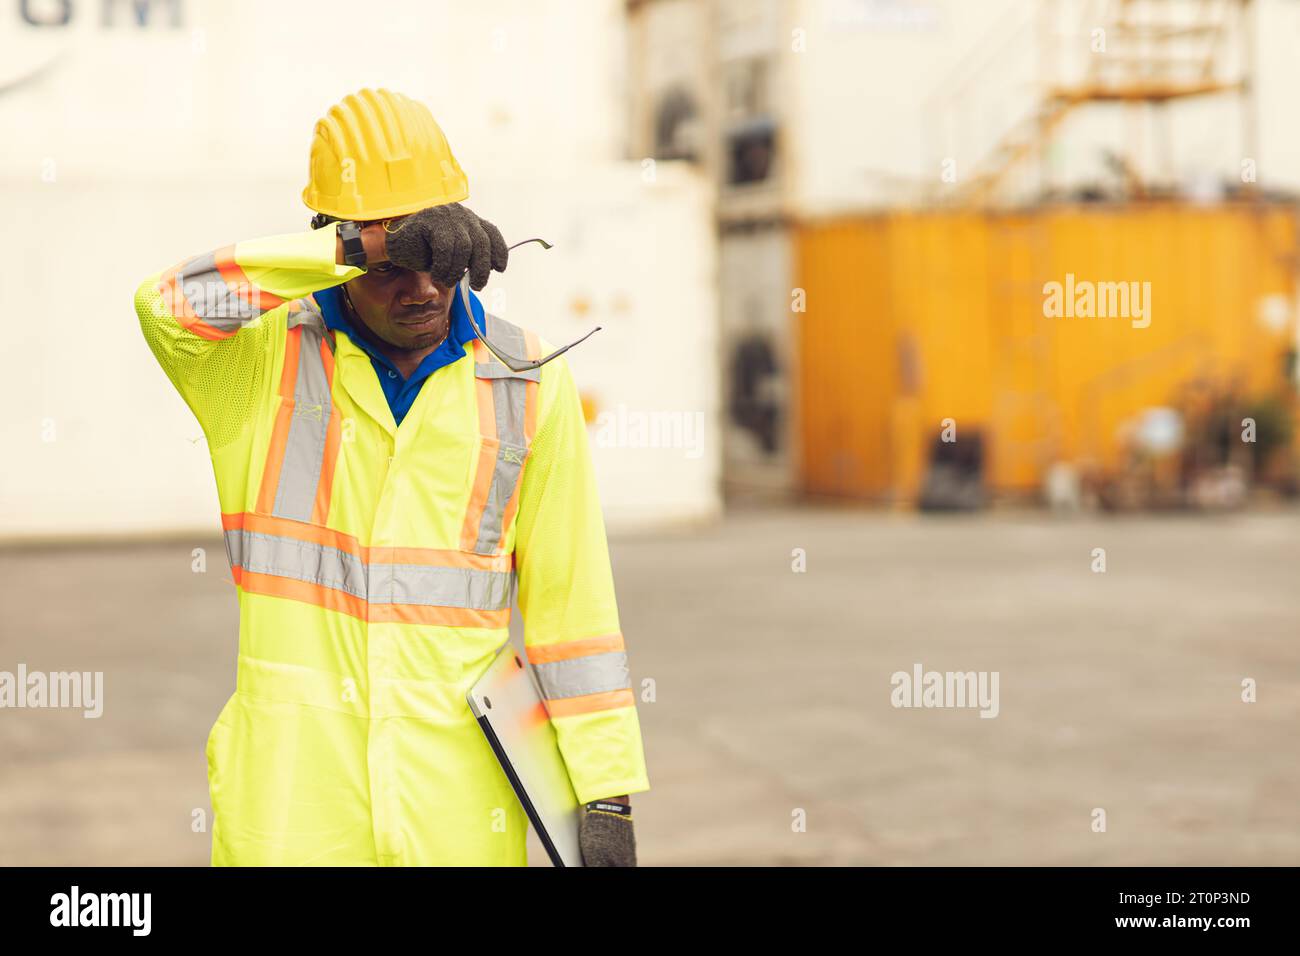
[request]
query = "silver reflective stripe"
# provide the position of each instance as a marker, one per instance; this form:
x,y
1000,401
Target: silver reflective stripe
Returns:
x,y
304,312
505,475
300,560
510,402
212,298
234,548
377,583
304,452
593,674
442,587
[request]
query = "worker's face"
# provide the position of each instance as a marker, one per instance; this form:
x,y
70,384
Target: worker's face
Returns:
x,y
405,309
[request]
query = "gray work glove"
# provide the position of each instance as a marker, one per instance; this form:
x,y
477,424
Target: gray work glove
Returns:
x,y
605,835
446,240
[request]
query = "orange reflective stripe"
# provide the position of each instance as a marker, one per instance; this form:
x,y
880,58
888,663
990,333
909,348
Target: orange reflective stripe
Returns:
x,y
589,703
212,296
440,558
241,285
568,650
487,455
289,374
287,528
331,599
176,302
438,616
283,421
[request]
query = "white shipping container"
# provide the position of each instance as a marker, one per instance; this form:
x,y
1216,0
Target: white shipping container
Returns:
x,y
130,146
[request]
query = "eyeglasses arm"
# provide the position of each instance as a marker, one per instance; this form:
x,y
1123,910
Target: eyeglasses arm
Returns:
x,y
512,362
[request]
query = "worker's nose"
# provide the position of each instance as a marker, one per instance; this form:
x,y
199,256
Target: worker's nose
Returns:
x,y
420,289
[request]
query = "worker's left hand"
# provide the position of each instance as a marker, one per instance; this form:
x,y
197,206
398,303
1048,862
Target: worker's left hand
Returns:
x,y
605,835
445,241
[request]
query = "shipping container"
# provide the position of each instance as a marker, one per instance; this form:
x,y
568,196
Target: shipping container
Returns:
x,y
917,321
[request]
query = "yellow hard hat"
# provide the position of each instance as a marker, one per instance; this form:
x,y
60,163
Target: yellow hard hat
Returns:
x,y
379,154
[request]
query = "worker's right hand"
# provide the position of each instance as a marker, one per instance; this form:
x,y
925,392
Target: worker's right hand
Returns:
x,y
445,241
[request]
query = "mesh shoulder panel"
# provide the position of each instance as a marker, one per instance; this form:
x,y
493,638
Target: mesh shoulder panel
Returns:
x,y
219,380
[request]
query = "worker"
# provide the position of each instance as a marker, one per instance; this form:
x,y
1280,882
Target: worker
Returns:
x,y
387,480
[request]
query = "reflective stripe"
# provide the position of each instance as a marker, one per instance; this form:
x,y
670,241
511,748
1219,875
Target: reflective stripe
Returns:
x,y
307,312
443,587
507,416
211,296
486,464
305,592
283,419
361,575
212,299
532,348
328,537
580,676
299,473
305,446
573,706
300,560
509,402
566,650
507,468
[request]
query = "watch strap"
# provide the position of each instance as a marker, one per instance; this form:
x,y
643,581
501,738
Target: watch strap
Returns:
x,y
354,250
605,806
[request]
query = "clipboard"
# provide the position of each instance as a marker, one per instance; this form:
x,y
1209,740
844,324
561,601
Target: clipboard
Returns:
x,y
509,710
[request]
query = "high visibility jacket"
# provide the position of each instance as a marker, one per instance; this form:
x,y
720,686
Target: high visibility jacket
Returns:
x,y
375,567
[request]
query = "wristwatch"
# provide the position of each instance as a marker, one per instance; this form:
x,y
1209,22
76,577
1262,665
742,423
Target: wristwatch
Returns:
x,y
354,251
622,809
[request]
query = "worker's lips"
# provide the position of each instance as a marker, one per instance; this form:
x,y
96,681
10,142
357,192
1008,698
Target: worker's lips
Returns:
x,y
418,319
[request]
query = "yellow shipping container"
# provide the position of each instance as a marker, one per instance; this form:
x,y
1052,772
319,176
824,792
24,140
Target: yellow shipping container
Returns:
x,y
913,318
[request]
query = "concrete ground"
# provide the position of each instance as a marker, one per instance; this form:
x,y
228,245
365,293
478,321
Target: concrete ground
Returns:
x,y
1118,690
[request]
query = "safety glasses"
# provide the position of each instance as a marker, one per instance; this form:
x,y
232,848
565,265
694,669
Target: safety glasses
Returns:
x,y
512,362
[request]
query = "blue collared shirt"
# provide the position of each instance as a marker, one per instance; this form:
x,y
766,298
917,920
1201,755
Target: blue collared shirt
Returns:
x,y
401,392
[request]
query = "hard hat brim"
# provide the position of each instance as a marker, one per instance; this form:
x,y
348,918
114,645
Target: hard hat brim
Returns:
x,y
359,214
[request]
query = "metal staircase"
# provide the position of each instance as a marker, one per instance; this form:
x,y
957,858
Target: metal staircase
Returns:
x,y
1144,53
